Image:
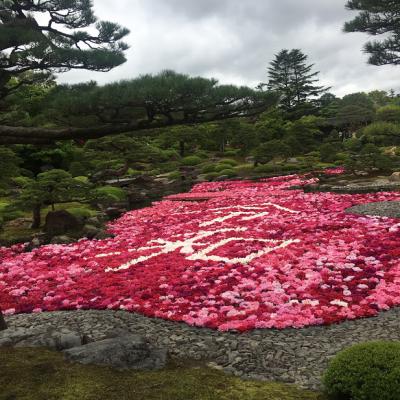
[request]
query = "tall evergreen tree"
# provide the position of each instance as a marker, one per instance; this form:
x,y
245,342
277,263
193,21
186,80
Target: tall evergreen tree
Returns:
x,y
293,79
378,17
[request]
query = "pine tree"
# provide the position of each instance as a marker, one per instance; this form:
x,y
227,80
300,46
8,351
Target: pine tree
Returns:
x,y
67,40
378,17
293,79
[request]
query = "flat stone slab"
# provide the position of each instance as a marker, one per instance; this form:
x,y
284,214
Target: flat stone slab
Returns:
x,y
125,352
38,336
389,209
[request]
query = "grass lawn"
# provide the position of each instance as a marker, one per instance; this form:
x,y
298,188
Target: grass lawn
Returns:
x,y
37,374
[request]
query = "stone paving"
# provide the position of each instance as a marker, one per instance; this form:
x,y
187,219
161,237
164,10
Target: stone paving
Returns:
x,y
296,356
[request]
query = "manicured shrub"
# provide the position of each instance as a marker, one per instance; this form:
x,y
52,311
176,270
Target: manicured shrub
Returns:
x,y
228,172
328,152
21,181
11,215
175,175
231,153
191,161
368,371
202,154
212,175
133,172
110,193
341,157
83,179
244,169
76,168
267,168
221,167
229,161
389,113
207,168
81,212
382,133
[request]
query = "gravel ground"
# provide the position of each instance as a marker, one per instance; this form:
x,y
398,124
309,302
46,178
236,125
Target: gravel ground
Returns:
x,y
382,209
296,356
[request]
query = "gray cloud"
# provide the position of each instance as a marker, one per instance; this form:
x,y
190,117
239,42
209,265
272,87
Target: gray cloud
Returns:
x,y
234,40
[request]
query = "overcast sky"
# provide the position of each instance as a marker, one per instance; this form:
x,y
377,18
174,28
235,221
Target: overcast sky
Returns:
x,y
234,41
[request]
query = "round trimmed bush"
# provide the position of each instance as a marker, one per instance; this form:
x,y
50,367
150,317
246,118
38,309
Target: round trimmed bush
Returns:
x,y
368,371
191,161
212,175
229,161
175,175
81,212
228,172
221,166
207,168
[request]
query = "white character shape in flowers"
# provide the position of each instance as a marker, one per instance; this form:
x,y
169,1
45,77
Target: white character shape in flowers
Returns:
x,y
198,239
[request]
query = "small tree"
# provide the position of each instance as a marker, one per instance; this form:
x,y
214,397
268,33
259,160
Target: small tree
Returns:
x,y
266,152
49,188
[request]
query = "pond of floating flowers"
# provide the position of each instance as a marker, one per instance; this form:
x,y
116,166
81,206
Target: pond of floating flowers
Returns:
x,y
248,255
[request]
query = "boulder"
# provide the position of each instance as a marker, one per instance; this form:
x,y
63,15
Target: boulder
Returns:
x,y
90,231
49,338
62,239
102,235
61,222
95,221
125,352
115,212
221,178
395,177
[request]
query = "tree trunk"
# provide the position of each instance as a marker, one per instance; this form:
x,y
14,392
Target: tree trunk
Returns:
x,y
3,325
37,219
182,148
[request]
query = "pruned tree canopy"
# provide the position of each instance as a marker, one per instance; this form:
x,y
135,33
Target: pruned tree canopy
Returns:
x,y
90,111
378,17
31,50
55,36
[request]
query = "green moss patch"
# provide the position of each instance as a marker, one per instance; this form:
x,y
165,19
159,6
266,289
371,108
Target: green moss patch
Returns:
x,y
36,374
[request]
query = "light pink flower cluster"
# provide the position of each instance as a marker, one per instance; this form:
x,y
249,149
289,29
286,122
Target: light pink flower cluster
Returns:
x,y
250,255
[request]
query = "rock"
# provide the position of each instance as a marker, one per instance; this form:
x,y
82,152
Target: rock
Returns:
x,y
249,160
61,222
221,178
395,177
94,221
49,338
102,235
127,352
114,212
292,160
20,223
90,231
62,239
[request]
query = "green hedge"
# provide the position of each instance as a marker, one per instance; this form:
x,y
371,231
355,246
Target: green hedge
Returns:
x,y
368,371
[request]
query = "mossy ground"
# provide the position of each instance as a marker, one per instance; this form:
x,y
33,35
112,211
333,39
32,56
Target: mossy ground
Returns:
x,y
37,374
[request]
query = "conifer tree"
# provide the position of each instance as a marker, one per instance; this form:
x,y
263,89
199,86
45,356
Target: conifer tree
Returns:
x,y
70,37
378,17
293,79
